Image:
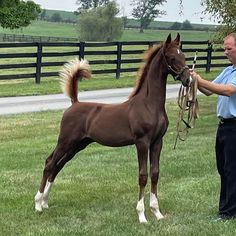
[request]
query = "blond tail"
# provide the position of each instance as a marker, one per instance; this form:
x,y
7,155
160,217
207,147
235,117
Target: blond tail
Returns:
x,y
73,71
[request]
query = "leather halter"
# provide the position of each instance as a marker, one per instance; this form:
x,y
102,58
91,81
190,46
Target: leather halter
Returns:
x,y
176,74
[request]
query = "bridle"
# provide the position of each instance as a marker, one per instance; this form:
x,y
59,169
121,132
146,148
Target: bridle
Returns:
x,y
176,74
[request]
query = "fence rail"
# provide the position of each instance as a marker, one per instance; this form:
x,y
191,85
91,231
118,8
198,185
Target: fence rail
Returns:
x,y
44,59
31,38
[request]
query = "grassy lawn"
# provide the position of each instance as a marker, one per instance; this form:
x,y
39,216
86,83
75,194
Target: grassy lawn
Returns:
x,y
96,193
43,28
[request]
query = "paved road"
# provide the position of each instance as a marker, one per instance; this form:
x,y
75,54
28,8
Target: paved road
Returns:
x,y
14,105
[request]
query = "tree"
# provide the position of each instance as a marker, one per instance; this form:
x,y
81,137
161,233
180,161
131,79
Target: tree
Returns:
x,y
146,11
90,4
186,25
42,15
56,17
176,26
125,21
224,11
15,14
100,24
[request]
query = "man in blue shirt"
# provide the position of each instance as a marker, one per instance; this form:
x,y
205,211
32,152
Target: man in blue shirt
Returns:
x,y
225,86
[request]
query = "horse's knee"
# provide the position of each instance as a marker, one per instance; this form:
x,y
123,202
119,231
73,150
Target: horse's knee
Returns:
x,y
143,179
155,176
49,166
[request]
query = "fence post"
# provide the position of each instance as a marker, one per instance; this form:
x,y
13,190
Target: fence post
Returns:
x,y
118,63
209,54
81,50
38,62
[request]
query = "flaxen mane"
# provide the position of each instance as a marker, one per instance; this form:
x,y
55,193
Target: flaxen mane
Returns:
x,y
142,73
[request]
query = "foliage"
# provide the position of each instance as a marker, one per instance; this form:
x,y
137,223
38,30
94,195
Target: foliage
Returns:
x,y
186,25
100,24
42,15
15,14
146,11
56,17
90,4
224,11
176,26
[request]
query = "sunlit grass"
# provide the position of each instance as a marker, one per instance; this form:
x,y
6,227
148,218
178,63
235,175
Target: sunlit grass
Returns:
x,y
96,193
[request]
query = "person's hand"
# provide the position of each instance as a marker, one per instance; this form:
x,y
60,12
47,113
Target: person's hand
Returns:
x,y
193,74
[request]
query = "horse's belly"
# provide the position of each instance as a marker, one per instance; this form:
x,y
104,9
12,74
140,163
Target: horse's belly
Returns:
x,y
111,134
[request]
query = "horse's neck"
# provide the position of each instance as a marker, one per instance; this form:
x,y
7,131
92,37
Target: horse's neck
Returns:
x,y
154,87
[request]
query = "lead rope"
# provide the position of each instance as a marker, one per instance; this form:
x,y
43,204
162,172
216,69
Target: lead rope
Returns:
x,y
189,110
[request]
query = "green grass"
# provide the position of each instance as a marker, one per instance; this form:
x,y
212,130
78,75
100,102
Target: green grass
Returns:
x,y
96,193
43,28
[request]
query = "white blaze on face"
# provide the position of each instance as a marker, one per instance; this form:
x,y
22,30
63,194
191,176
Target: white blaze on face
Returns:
x,y
178,51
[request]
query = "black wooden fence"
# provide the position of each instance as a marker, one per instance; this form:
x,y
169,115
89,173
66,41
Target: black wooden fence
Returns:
x,y
32,38
44,59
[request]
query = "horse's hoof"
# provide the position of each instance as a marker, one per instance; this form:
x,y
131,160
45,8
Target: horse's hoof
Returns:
x,y
143,220
157,213
44,205
38,208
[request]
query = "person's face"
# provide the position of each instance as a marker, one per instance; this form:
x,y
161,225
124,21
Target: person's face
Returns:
x,y
230,49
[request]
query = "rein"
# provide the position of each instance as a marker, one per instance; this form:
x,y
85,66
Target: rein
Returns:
x,y
189,110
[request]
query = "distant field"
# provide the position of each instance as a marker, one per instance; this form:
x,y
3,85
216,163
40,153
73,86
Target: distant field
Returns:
x,y
43,28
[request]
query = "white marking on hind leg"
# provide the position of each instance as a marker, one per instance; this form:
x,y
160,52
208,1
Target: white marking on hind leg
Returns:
x,y
38,201
46,192
155,206
140,210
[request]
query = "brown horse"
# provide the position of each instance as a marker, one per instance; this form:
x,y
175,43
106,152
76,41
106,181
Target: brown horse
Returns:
x,y
141,120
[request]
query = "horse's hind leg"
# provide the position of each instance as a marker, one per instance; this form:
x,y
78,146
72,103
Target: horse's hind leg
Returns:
x,y
39,196
52,167
155,151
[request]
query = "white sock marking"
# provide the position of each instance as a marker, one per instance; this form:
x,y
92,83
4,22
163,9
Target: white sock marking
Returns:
x,y
140,210
46,192
155,206
38,201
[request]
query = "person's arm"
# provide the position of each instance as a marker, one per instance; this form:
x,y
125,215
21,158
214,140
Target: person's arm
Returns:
x,y
208,88
204,91
220,89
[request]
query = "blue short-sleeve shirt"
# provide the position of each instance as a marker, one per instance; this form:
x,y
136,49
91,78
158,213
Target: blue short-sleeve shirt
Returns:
x,y
226,106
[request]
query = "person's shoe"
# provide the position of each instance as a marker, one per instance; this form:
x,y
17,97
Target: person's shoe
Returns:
x,y
224,217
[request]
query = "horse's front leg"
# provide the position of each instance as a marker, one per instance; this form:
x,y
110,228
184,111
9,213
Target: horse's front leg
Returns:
x,y
142,151
155,151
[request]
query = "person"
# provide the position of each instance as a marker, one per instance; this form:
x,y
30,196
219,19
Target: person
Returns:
x,y
224,85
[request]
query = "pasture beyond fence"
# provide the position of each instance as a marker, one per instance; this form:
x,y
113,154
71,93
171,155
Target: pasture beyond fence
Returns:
x,y
44,59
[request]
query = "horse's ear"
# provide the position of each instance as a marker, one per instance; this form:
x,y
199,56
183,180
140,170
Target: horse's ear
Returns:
x,y
168,40
177,39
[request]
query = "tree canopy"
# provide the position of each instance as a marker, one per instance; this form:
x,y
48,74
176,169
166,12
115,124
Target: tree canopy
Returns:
x,y
146,11
15,14
224,11
90,4
100,23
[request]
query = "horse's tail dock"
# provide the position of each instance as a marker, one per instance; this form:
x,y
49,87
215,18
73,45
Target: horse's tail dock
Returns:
x,y
73,71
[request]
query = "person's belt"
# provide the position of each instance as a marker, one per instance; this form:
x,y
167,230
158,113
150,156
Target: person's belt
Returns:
x,y
227,120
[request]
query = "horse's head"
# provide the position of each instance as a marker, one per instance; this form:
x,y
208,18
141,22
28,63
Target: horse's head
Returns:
x,y
175,60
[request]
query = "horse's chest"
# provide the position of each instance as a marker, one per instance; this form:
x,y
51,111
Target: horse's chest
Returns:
x,y
160,127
